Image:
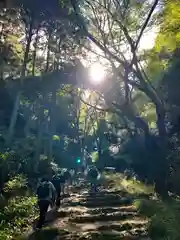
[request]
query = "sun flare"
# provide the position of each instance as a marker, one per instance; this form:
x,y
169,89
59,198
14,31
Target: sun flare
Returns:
x,y
97,73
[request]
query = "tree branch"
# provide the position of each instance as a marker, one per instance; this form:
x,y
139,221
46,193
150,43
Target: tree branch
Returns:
x,y
146,23
95,107
92,38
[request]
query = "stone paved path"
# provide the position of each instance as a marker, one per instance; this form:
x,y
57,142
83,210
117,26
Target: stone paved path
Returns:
x,y
104,215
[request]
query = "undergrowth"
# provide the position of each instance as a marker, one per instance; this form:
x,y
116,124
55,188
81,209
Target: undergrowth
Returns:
x,y
132,186
17,212
16,183
164,218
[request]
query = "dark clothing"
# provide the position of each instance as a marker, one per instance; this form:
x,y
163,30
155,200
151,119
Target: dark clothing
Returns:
x,y
46,191
58,198
68,178
67,175
62,179
46,196
43,207
72,177
57,181
43,190
94,187
93,176
93,173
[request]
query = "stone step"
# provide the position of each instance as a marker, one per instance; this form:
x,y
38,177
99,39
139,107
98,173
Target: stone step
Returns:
x,y
103,217
102,198
104,194
95,203
107,235
112,225
80,211
104,210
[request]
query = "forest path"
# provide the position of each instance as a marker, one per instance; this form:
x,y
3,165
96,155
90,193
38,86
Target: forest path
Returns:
x,y
107,214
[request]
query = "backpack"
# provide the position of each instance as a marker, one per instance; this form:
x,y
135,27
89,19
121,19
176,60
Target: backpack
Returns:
x,y
93,173
67,175
43,190
56,180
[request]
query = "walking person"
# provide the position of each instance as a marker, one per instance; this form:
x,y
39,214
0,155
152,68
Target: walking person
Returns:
x,y
72,178
93,175
57,181
67,177
46,193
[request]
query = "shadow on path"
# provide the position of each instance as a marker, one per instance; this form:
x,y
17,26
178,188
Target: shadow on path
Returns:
x,y
106,215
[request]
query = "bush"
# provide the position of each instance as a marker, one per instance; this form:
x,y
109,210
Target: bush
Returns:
x,y
132,186
164,218
16,183
16,216
17,212
148,207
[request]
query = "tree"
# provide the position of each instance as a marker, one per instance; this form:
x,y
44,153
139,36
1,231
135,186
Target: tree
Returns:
x,y
62,112
117,32
33,22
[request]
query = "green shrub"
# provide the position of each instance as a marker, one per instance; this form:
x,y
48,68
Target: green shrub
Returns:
x,y
164,218
17,216
148,207
5,235
18,212
132,186
16,183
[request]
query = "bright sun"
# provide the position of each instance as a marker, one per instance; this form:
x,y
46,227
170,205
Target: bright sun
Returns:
x,y
97,73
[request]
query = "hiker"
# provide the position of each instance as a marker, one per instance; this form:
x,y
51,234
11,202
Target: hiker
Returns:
x,y
46,193
63,177
72,177
93,176
67,178
58,180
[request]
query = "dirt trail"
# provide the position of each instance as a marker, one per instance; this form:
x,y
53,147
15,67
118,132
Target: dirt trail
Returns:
x,y
104,215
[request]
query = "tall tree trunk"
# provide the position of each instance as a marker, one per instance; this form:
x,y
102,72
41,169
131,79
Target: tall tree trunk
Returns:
x,y
162,171
23,74
28,121
39,137
48,51
46,139
57,55
52,124
1,39
34,52
161,122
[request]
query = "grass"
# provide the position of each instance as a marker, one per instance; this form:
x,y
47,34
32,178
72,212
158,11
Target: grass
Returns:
x,y
131,186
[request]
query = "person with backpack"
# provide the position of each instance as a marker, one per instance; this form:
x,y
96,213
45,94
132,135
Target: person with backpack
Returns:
x,y
58,180
62,180
72,178
67,177
46,193
93,176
